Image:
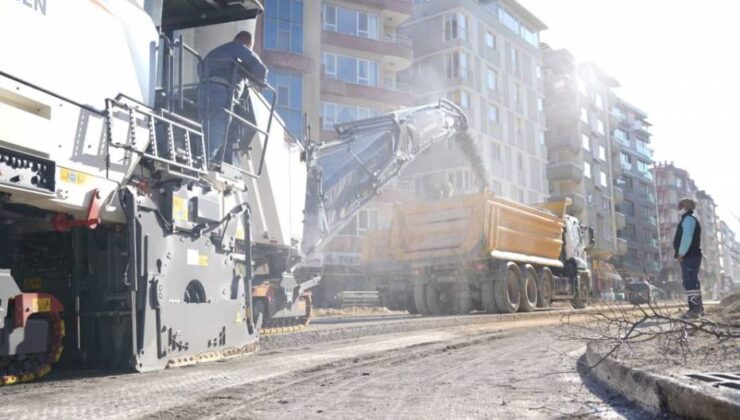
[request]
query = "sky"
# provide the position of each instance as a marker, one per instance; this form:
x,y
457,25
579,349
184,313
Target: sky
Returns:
x,y
677,60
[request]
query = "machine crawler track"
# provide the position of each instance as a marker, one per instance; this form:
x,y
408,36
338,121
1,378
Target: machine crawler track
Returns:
x,y
27,368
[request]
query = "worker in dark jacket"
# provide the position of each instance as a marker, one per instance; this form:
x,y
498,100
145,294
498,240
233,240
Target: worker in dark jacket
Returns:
x,y
222,80
687,246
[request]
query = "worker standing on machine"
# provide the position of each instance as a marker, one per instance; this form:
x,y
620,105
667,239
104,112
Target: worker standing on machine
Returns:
x,y
222,82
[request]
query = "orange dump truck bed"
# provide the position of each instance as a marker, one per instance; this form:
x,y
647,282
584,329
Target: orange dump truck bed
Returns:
x,y
476,226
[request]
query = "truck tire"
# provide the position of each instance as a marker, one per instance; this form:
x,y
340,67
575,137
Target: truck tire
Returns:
x,y
440,300
508,289
410,304
529,293
545,288
488,296
461,298
583,297
420,298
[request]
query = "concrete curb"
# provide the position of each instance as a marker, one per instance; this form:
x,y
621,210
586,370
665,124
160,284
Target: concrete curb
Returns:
x,y
660,394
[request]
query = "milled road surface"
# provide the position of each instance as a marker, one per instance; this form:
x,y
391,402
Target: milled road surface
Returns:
x,y
496,369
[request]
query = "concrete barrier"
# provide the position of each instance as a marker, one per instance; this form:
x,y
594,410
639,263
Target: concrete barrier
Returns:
x,y
664,394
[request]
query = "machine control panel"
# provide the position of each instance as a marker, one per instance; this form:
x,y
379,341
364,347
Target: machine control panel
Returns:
x,y
22,170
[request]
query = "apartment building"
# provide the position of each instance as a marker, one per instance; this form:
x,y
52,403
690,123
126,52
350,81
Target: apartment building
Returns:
x,y
674,183
583,153
728,247
706,211
484,56
637,186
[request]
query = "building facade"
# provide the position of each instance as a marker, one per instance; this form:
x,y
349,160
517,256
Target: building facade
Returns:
x,y
637,185
710,273
584,154
485,57
727,257
674,183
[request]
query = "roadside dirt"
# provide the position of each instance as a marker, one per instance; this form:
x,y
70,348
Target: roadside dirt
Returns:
x,y
480,368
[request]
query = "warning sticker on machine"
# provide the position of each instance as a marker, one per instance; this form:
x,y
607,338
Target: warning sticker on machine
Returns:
x,y
194,258
72,177
179,209
41,305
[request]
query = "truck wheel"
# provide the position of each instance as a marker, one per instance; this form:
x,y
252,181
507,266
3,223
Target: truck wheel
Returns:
x,y
420,299
583,296
461,298
544,297
528,298
508,290
488,296
439,299
410,304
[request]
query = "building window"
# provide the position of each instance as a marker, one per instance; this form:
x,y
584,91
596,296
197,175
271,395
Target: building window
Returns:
x,y
599,101
642,147
582,87
602,153
350,21
456,27
496,151
603,179
515,60
519,126
538,71
492,113
542,137
464,99
679,182
530,36
333,113
460,180
367,220
289,85
540,104
587,170
644,168
283,29
520,162
457,65
491,78
584,115
626,161
490,41
600,127
586,142
629,208
517,93
621,136
628,182
353,70
606,205
508,20
461,98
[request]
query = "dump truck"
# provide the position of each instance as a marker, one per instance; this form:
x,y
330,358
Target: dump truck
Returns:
x,y
484,252
124,244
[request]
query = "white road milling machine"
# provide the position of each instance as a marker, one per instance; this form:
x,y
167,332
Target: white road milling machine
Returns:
x,y
119,240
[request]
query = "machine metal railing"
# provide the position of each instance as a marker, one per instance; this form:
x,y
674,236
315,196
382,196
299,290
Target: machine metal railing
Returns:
x,y
176,139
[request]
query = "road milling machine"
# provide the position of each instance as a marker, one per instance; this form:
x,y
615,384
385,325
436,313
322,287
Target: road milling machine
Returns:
x,y
122,242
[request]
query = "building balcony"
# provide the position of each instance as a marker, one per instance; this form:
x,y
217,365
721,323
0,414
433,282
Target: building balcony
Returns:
x,y
569,143
565,171
621,220
616,146
578,201
287,59
396,11
622,246
394,52
376,94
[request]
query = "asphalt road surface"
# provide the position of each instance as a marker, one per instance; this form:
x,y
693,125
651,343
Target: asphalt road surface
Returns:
x,y
493,369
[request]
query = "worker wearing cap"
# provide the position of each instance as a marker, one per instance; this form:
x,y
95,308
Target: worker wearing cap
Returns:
x,y
224,74
687,246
